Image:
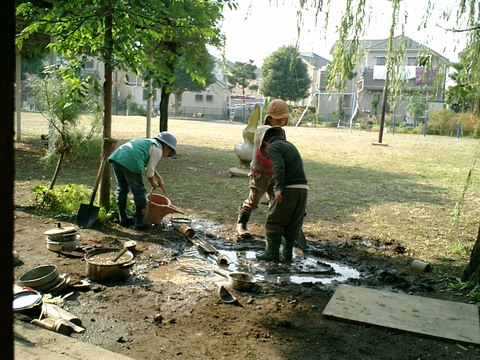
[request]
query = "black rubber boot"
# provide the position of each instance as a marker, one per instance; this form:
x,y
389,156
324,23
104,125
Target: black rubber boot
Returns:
x,y
286,250
140,222
271,252
243,217
125,220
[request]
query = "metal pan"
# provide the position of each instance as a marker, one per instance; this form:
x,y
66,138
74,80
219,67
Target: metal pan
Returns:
x,y
240,281
27,300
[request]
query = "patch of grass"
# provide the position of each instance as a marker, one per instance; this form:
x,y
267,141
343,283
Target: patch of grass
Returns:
x,y
468,289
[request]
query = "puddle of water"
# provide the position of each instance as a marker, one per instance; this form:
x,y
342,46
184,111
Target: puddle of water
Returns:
x,y
337,273
190,267
302,269
193,266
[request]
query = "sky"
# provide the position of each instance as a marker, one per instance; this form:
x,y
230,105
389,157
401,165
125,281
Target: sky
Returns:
x,y
259,27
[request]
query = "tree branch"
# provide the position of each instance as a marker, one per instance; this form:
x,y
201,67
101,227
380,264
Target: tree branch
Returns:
x,y
474,28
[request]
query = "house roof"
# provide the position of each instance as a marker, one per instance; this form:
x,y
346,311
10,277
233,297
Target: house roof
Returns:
x,y
314,59
398,41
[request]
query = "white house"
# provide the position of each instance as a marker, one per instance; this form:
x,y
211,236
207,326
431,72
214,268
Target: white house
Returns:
x,y
422,72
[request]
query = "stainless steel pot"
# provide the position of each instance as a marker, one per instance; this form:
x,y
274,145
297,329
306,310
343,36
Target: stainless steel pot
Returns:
x,y
39,277
101,270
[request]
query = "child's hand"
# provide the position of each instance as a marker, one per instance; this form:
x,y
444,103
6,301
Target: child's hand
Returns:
x,y
278,196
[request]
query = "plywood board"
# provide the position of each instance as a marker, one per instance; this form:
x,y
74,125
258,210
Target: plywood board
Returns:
x,y
425,316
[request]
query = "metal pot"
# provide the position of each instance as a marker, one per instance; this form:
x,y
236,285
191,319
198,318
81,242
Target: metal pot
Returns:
x,y
40,276
101,270
240,281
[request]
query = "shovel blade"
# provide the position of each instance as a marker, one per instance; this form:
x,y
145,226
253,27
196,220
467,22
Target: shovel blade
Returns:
x,y
87,215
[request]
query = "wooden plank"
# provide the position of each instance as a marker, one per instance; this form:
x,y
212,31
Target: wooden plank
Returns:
x,y
431,317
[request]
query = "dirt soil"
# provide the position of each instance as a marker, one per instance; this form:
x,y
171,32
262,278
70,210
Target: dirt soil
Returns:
x,y
164,311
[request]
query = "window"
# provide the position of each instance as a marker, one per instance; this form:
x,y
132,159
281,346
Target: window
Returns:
x,y
89,64
411,61
380,60
209,98
198,97
424,60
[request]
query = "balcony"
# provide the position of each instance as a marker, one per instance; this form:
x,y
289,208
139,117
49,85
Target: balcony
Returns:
x,y
372,80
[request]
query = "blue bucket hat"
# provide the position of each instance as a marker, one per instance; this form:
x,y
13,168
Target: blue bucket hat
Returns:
x,y
169,140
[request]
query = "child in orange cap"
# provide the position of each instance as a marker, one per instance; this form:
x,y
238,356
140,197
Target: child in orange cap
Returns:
x,y
261,171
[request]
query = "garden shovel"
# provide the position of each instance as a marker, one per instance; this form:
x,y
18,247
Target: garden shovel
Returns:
x,y
87,214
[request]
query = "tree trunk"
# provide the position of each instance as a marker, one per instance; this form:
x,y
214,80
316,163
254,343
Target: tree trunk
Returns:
x,y
57,170
164,96
472,271
178,100
104,197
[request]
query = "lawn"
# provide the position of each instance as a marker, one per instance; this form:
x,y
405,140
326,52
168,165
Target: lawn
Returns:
x,y
411,189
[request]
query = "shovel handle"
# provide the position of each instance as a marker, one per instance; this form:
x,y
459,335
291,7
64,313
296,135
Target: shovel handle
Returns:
x,y
120,253
107,148
220,272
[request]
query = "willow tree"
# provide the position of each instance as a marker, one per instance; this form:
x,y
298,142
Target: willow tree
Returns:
x,y
122,33
351,30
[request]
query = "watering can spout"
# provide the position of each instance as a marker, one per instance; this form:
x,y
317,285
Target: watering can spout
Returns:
x,y
158,206
172,209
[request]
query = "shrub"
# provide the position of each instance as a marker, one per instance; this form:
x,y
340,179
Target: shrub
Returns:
x,y
445,122
63,203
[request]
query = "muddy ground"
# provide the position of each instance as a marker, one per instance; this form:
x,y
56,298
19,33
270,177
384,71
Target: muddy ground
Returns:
x,y
169,307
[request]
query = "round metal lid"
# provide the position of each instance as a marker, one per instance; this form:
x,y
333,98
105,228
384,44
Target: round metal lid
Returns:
x,y
61,231
25,300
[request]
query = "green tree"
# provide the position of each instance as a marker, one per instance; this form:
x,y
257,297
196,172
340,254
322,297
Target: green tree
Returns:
x,y
463,96
417,105
240,80
285,75
184,82
374,104
241,77
62,106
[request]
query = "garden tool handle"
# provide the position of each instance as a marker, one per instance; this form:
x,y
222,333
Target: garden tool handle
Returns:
x,y
220,272
120,253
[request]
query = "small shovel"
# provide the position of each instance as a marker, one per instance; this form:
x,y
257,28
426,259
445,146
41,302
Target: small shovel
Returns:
x,y
87,214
